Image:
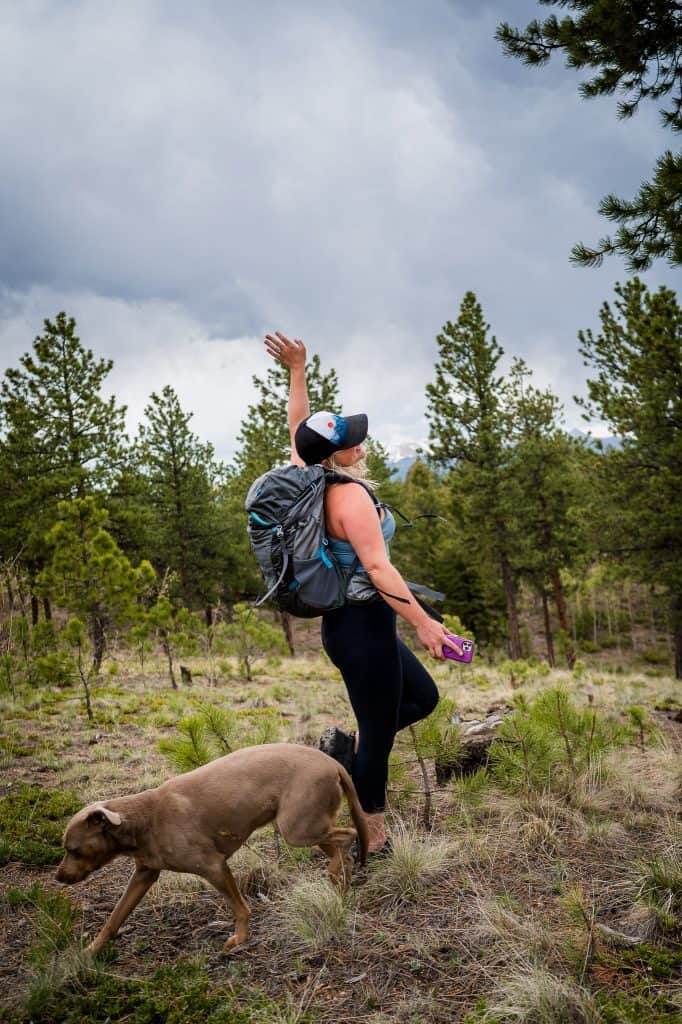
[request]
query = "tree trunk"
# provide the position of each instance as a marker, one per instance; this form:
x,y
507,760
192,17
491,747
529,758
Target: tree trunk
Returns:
x,y
288,628
562,613
512,611
98,642
208,616
47,609
35,610
609,624
10,591
631,620
676,616
166,648
548,630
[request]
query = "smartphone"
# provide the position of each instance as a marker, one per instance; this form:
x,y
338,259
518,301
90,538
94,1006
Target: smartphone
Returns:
x,y
466,646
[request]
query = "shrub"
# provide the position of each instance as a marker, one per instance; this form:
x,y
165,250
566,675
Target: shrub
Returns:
x,y
249,638
213,732
549,742
653,657
57,668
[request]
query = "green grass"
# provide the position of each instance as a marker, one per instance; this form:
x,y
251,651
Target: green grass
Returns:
x,y
54,918
181,993
642,973
32,821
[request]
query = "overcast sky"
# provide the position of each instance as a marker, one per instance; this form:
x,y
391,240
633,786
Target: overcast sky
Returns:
x,y
183,177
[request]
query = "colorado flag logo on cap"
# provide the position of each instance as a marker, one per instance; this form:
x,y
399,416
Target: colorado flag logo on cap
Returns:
x,y
328,425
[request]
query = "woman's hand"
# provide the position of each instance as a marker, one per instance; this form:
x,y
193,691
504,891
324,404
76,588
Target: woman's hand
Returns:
x,y
291,354
433,635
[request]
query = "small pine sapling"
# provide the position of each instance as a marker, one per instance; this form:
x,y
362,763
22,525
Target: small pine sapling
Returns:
x,y
250,638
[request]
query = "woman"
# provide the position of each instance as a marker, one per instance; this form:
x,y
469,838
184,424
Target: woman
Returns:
x,y
388,687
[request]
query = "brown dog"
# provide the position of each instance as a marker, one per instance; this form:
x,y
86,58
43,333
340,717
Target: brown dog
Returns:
x,y
194,822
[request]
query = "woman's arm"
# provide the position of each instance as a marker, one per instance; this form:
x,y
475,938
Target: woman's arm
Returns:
x,y
357,516
292,354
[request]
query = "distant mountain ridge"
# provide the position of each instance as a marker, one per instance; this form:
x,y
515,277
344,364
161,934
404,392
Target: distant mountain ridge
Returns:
x,y
405,455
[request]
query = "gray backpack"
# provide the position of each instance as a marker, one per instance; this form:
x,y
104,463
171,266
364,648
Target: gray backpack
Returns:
x,y
289,539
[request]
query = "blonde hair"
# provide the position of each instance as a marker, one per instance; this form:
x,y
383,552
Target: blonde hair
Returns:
x,y
358,471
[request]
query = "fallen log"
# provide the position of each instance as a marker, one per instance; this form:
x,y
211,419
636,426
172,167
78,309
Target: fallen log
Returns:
x,y
475,737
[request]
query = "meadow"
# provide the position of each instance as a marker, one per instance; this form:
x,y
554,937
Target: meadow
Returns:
x,y
547,887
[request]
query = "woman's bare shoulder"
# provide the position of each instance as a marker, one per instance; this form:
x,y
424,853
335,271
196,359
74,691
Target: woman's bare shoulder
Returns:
x,y
348,496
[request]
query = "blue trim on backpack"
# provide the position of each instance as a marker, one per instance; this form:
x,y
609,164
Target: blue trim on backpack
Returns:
x,y
324,556
261,522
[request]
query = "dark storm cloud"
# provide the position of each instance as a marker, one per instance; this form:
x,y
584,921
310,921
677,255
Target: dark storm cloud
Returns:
x,y
344,172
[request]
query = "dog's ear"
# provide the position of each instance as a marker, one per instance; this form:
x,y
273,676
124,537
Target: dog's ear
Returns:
x,y
101,815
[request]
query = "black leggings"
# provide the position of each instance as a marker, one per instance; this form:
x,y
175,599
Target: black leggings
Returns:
x,y
388,688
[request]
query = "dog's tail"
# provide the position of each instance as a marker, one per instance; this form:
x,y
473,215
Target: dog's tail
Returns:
x,y
356,812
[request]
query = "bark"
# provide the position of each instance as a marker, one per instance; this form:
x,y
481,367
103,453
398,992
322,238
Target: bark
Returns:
x,y
512,611
548,630
208,616
631,620
35,610
98,642
676,615
562,614
166,648
47,609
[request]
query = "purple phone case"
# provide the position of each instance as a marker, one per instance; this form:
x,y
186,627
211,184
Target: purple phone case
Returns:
x,y
467,647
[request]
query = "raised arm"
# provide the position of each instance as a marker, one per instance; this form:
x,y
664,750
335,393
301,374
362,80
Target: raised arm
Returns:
x,y
292,354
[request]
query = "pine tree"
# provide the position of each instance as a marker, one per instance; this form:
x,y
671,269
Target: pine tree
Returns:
x,y
182,479
546,463
637,391
89,575
60,438
634,49
468,432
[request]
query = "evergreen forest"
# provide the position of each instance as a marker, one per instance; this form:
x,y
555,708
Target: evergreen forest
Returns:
x,y
547,543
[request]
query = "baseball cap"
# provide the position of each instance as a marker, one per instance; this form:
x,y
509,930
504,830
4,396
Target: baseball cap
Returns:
x,y
320,435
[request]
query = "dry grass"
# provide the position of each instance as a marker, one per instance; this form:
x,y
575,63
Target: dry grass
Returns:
x,y
314,912
532,995
414,865
478,908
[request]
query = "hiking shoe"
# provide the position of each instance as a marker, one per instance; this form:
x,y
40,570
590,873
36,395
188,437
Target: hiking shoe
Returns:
x,y
339,745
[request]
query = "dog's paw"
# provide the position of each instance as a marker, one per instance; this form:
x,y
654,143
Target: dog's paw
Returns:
x,y
231,943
